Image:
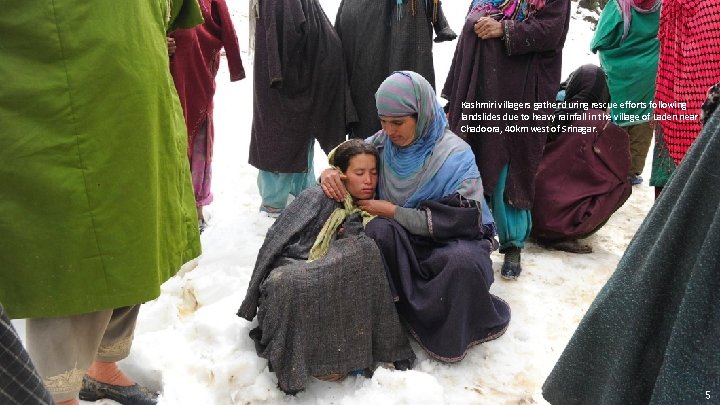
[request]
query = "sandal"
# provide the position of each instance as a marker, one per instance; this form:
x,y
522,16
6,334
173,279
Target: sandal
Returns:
x,y
332,377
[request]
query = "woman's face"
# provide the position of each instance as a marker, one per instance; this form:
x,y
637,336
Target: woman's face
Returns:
x,y
361,176
401,130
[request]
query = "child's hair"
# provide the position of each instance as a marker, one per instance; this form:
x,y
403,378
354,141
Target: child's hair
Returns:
x,y
350,148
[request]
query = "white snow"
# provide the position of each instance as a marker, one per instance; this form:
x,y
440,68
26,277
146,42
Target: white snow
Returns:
x,y
190,344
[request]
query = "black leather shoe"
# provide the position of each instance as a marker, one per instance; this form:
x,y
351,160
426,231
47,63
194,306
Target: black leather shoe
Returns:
x,y
92,390
510,270
403,365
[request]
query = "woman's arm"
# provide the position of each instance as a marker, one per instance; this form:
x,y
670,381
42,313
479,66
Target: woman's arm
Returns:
x,y
414,220
221,15
454,217
609,29
543,31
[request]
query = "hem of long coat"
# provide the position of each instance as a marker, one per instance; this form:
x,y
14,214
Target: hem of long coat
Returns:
x,y
75,306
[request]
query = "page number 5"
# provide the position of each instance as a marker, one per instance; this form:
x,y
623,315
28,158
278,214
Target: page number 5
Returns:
x,y
707,394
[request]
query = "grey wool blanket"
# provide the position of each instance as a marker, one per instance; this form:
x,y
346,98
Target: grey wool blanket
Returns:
x,y
335,314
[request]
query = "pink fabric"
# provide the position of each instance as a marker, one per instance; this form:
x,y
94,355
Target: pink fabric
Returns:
x,y
642,6
201,169
645,4
510,10
196,62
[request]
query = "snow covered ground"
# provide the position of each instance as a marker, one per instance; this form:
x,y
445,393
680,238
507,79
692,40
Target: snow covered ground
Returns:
x,y
190,344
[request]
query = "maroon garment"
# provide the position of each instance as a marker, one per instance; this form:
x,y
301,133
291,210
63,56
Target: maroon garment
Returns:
x,y
196,62
524,67
582,180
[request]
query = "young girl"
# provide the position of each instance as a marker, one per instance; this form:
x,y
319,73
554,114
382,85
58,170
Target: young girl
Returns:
x,y
334,313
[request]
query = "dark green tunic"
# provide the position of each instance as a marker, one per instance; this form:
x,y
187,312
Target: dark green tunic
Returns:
x,y
652,333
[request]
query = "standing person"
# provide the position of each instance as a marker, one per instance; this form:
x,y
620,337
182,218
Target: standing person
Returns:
x,y
380,37
433,227
626,39
299,95
194,65
650,336
508,58
689,64
96,194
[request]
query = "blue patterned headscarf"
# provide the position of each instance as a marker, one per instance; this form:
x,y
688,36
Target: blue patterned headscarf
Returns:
x,y
437,163
408,93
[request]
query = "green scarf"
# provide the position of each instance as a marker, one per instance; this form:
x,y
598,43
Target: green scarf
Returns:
x,y
322,243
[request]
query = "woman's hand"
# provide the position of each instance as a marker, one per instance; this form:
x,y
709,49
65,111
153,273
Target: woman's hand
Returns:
x,y
171,46
331,182
380,208
487,28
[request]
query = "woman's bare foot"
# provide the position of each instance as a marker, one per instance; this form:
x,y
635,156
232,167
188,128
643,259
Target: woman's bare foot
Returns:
x,y
68,402
109,373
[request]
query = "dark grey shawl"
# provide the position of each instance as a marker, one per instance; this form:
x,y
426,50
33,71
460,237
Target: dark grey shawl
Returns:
x,y
375,44
300,86
525,67
652,333
335,314
19,381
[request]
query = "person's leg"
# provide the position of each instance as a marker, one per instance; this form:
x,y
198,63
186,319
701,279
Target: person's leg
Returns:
x,y
104,379
62,349
663,165
274,189
513,226
302,181
201,172
115,346
640,139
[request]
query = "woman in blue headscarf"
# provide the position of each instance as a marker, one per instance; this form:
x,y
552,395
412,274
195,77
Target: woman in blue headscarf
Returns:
x,y
433,226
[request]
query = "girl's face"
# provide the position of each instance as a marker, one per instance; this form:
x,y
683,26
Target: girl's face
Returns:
x,y
401,130
361,176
